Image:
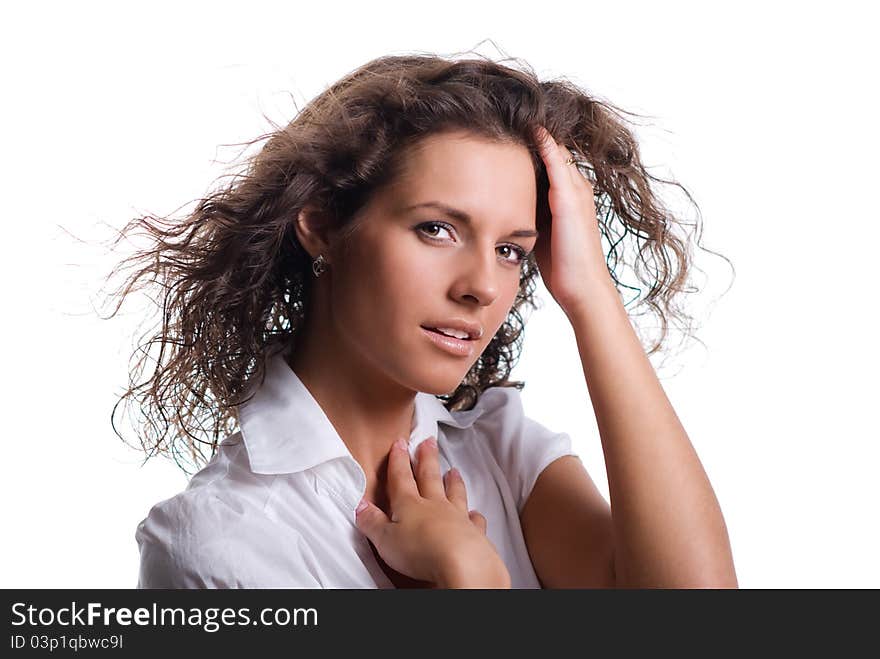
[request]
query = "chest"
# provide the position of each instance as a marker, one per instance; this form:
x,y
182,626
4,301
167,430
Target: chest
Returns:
x,y
341,563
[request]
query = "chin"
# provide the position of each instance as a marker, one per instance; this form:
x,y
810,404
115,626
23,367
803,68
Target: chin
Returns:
x,y
443,386
429,370
436,383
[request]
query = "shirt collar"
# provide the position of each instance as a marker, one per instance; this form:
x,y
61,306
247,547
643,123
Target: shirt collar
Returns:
x,y
285,430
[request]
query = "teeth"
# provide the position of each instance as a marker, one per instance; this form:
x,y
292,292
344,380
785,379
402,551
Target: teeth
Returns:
x,y
451,332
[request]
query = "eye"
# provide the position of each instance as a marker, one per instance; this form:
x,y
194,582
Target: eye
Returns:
x,y
441,225
519,251
516,249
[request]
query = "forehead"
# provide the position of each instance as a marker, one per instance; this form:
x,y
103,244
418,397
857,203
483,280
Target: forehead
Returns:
x,y
490,180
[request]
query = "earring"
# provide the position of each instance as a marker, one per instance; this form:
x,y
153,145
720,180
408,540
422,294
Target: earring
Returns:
x,y
319,265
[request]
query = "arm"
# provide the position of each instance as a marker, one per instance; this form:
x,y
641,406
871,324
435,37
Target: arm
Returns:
x,y
667,525
568,530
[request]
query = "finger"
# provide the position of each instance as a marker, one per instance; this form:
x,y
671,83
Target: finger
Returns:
x,y
562,186
400,482
372,522
455,489
428,470
546,141
477,519
578,180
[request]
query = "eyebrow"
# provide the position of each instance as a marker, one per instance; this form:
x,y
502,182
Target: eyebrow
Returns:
x,y
463,217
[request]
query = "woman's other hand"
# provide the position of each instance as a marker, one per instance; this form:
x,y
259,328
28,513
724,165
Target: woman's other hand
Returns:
x,y
569,250
431,535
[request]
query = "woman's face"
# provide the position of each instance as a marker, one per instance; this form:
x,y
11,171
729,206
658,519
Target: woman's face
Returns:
x,y
411,265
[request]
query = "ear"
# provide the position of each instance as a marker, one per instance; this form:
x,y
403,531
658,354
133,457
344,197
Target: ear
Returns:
x,y
312,231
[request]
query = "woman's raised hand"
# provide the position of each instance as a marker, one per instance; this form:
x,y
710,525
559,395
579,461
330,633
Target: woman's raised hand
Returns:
x,y
431,535
569,250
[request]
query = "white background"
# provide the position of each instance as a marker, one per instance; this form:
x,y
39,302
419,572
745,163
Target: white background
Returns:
x,y
767,114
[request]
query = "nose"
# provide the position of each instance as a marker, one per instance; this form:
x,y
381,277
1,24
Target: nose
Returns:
x,y
480,277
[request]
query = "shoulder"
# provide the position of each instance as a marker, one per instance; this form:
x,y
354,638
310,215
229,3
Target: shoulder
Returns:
x,y
522,446
216,533
179,539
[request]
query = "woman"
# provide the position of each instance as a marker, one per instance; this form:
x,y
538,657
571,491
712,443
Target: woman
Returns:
x,y
361,282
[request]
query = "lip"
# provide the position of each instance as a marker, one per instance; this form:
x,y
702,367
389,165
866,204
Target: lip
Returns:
x,y
472,329
457,347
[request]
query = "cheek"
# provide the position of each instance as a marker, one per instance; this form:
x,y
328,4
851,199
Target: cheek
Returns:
x,y
502,310
383,293
416,277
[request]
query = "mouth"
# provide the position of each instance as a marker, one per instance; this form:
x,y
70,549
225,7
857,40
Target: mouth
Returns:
x,y
461,347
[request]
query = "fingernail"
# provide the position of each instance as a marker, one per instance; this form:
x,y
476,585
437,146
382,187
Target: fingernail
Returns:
x,y
453,473
361,506
432,441
401,444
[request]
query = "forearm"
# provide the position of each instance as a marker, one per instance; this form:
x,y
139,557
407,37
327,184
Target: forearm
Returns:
x,y
668,527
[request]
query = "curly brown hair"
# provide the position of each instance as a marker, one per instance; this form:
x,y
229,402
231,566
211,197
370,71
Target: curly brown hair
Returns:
x,y
236,280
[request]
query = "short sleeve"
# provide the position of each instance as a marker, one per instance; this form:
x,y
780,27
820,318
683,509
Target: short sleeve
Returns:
x,y
522,447
201,542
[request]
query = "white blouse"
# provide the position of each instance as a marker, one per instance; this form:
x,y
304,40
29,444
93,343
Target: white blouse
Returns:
x,y
275,506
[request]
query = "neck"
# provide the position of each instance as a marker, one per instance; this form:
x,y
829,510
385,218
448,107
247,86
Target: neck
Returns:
x,y
368,411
